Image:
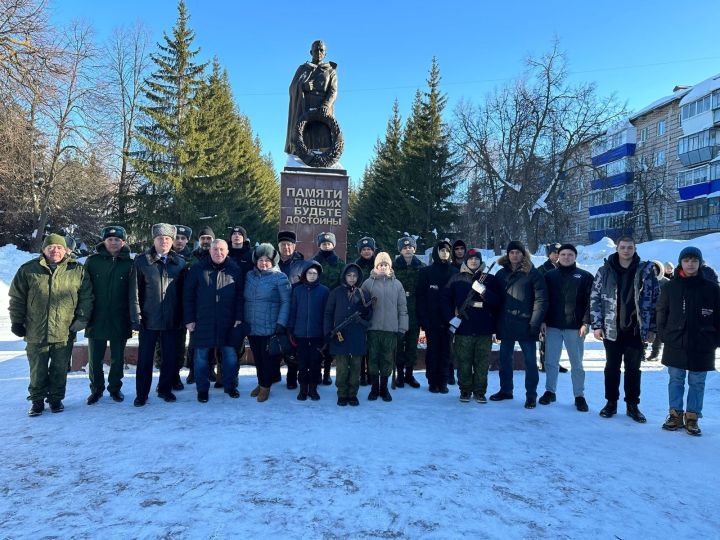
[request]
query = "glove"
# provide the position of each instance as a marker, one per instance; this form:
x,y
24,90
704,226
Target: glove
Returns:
x,y
78,325
478,288
279,329
136,326
18,329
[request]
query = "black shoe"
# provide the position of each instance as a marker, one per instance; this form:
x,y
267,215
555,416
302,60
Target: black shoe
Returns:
x,y
581,405
434,389
167,396
93,398
203,397
609,410
634,413
233,393
56,406
547,398
190,378
530,403
313,393
218,384
410,380
464,396
342,401
178,385
563,369
500,396
384,392
118,396
443,389
327,380
37,408
353,401
139,402
303,394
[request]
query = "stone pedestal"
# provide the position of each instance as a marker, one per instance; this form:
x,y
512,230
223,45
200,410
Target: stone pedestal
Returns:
x,y
313,201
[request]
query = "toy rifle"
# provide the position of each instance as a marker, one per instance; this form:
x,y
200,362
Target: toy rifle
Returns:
x,y
462,312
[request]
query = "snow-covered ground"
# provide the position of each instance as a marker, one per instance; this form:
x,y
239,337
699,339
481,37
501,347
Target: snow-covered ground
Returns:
x,y
423,466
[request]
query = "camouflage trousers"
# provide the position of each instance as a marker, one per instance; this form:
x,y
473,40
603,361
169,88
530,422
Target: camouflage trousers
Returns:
x,y
472,355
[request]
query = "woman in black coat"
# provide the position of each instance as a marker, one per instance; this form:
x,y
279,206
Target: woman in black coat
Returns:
x,y
688,320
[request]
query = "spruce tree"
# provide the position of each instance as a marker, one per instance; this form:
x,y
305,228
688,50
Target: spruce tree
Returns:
x,y
168,151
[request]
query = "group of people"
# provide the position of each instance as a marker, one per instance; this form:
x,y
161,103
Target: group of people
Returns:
x,y
366,316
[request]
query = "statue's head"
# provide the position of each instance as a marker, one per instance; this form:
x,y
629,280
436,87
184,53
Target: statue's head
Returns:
x,y
317,51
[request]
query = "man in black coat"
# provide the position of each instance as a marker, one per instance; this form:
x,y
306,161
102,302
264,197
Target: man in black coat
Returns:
x,y
552,252
428,305
155,311
566,321
523,311
240,250
688,321
213,305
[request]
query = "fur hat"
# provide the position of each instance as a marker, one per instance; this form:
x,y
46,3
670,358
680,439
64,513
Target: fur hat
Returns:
x,y
266,250
515,244
326,237
366,242
566,246
206,231
287,236
406,241
114,231
690,252
164,229
184,230
383,257
54,239
554,248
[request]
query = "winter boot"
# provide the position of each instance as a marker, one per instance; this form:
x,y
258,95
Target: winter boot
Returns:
x,y
581,405
38,406
464,396
480,398
691,424
609,410
255,391
56,406
384,392
353,401
342,401
375,389
674,421
303,393
313,393
547,398
202,396
530,403
93,398
410,379
634,413
263,394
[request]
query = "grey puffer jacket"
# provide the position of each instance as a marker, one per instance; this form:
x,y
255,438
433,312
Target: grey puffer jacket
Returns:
x,y
267,300
389,304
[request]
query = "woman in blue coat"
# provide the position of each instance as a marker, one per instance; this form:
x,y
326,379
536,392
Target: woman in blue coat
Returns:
x,y
307,308
267,309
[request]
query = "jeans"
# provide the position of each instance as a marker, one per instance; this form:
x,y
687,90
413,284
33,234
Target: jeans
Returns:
x,y
628,349
146,352
575,345
529,350
696,389
202,368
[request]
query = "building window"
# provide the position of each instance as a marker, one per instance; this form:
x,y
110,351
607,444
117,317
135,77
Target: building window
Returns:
x,y
661,128
660,158
607,196
696,141
643,135
692,177
696,107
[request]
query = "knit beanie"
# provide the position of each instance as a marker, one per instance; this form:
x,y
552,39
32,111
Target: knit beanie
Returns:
x,y
553,248
383,257
690,252
515,244
473,252
566,246
206,231
163,229
54,239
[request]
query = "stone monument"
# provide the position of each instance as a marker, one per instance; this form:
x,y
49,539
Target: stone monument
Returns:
x,y
313,184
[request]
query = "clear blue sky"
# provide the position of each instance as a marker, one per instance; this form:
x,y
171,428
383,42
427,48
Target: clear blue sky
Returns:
x,y
383,50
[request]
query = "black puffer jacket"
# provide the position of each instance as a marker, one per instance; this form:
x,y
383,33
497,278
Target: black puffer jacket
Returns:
x,y
688,320
242,256
569,289
156,294
525,300
428,300
213,300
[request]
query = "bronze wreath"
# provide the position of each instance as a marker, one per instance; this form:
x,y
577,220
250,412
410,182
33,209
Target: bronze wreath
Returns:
x,y
308,156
